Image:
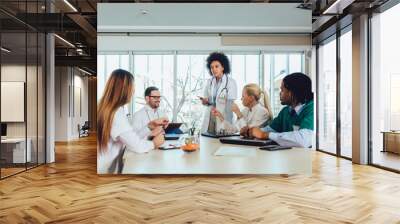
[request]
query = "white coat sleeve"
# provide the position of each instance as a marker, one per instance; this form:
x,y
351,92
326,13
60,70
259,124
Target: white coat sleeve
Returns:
x,y
207,88
139,124
228,127
240,123
134,143
300,138
121,130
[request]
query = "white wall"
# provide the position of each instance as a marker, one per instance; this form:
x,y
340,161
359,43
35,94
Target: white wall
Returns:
x,y
203,27
61,103
203,18
16,73
67,115
210,42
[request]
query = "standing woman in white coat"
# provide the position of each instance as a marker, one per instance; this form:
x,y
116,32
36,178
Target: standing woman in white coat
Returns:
x,y
219,93
115,134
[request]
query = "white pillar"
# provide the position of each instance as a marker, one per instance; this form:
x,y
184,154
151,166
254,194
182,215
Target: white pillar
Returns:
x,y
360,90
50,92
50,99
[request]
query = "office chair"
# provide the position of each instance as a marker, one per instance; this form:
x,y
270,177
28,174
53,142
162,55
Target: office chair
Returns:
x,y
84,130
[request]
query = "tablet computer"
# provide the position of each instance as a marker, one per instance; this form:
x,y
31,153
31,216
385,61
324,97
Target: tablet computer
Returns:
x,y
172,128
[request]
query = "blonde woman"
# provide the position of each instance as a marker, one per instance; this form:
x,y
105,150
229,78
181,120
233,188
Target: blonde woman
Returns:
x,y
114,130
254,114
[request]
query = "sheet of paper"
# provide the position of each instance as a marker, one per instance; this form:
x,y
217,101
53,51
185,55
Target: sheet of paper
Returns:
x,y
235,151
171,144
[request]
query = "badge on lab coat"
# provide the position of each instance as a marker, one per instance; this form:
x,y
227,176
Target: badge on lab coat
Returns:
x,y
222,97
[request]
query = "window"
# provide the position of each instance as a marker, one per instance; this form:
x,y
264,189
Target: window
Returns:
x,y
327,97
191,77
276,67
245,69
181,77
22,75
154,70
385,86
346,94
108,63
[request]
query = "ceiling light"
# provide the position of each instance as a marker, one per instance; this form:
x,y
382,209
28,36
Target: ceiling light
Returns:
x,y
338,6
84,71
5,50
65,41
70,5
331,7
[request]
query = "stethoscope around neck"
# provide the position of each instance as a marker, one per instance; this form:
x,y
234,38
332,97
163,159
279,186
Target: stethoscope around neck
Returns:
x,y
222,90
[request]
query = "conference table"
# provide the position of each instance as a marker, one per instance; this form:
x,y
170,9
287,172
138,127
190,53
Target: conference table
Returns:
x,y
214,157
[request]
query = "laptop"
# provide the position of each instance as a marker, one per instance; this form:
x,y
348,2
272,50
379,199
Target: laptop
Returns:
x,y
172,136
211,135
173,128
172,132
239,140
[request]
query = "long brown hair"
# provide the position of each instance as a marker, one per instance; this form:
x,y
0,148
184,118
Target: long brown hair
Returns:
x,y
118,92
254,90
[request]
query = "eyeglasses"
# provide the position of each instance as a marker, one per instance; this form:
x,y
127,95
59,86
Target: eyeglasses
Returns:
x,y
156,97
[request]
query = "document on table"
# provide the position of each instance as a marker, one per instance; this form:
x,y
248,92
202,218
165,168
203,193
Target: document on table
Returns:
x,y
171,144
235,151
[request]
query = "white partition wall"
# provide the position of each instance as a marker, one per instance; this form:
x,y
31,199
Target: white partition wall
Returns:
x,y
12,98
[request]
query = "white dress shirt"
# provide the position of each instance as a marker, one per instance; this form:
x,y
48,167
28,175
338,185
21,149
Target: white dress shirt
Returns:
x,y
296,138
253,117
142,118
121,135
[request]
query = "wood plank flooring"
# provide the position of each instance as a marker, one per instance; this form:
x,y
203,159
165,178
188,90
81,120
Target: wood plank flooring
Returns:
x,y
70,191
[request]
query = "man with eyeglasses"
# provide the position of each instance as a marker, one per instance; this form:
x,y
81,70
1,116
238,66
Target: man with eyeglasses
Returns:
x,y
150,116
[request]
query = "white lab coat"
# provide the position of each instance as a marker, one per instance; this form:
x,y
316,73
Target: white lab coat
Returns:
x,y
142,117
121,135
255,117
224,100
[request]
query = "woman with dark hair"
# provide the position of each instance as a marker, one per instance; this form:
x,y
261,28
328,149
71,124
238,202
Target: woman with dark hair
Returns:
x,y
219,93
294,125
114,133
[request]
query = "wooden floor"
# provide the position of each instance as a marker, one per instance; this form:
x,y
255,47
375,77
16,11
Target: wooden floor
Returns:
x,y
5,172
70,191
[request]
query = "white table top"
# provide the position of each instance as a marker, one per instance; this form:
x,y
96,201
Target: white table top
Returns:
x,y
203,161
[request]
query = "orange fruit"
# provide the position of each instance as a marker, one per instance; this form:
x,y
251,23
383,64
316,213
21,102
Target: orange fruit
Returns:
x,y
190,147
